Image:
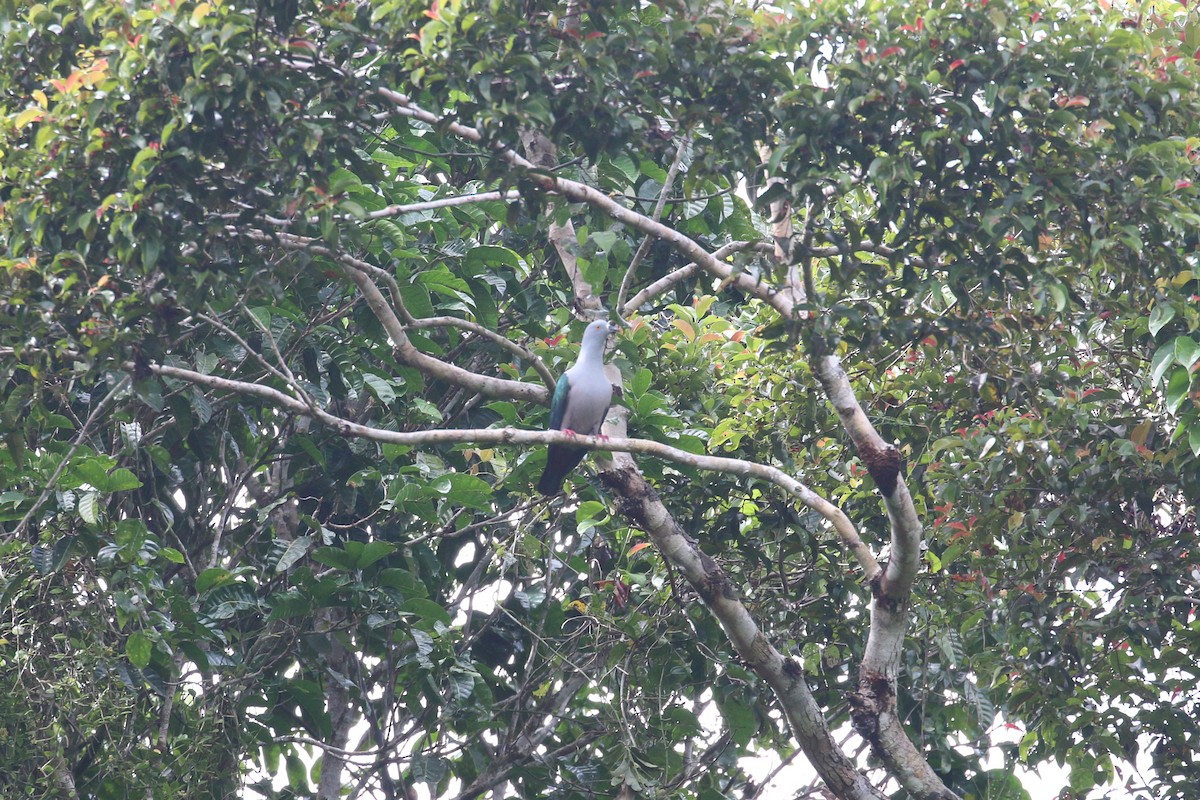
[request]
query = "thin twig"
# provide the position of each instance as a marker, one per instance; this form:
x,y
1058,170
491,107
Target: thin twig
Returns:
x,y
644,247
76,443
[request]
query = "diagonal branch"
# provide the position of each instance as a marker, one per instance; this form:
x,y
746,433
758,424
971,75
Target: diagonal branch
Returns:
x,y
487,333
84,431
396,210
875,703
665,283
583,193
644,247
783,674
360,273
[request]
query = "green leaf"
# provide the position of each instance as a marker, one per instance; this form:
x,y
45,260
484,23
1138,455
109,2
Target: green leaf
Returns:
x,y
338,557
212,578
42,558
462,489
488,257
690,444
442,281
172,555
292,603
1177,389
640,381
372,552
1162,314
138,648
297,773
380,387
1187,352
626,166
93,470
89,507
295,551
121,480
1163,360
427,610
740,718
402,581
604,239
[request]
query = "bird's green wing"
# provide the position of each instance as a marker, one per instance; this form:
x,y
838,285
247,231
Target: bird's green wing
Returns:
x,y
558,405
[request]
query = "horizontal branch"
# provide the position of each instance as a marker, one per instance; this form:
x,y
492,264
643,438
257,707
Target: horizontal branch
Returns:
x,y
445,202
734,466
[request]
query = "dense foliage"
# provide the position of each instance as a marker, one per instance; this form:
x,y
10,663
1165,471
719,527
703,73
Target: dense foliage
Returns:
x,y
207,208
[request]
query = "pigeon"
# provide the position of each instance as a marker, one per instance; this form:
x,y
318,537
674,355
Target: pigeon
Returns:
x,y
581,401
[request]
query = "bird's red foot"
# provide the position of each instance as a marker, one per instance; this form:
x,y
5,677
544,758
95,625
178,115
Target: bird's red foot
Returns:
x,y
569,432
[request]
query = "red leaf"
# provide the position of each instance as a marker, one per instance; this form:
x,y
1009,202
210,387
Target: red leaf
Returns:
x,y
1073,101
891,51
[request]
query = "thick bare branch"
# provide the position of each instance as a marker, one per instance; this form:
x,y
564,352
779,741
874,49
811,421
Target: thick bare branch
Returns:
x,y
638,501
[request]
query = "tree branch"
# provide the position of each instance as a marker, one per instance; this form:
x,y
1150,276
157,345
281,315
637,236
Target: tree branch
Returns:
x,y
644,247
508,344
583,193
360,273
445,202
874,713
784,675
682,274
84,431
841,523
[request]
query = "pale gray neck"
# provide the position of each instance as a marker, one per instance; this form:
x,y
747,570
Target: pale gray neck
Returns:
x,y
591,352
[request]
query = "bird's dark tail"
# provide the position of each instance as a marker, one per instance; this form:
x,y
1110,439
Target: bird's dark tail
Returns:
x,y
559,463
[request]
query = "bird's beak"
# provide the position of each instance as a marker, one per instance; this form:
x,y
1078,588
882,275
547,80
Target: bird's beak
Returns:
x,y
613,329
